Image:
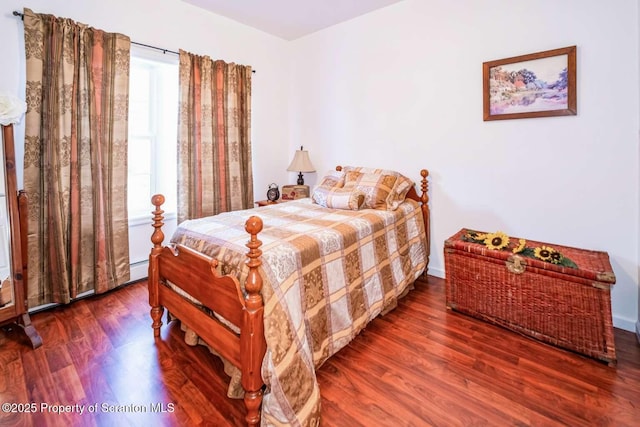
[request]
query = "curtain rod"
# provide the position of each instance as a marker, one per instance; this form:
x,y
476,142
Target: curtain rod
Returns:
x,y
165,51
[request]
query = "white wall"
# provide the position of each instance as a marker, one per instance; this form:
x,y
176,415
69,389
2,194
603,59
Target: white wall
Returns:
x,y
401,88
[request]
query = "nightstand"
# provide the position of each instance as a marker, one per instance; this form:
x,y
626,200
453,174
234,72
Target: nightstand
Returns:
x,y
261,203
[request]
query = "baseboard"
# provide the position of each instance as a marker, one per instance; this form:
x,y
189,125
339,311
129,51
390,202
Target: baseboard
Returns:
x,y
437,272
638,331
139,271
624,323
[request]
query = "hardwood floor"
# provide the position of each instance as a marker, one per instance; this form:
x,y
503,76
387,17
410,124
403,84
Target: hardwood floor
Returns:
x,y
418,365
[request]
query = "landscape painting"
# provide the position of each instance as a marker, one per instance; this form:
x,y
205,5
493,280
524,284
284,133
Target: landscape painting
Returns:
x,y
541,84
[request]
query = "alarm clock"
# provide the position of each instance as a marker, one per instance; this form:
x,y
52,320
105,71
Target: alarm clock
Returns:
x,y
273,193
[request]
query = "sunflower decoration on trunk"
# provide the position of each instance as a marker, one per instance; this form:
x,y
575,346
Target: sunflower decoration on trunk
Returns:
x,y
501,241
496,241
546,253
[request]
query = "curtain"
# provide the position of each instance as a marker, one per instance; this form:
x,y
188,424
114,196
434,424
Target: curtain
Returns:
x,y
75,160
214,143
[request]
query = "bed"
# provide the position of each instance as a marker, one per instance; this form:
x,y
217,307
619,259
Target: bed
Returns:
x,y
316,271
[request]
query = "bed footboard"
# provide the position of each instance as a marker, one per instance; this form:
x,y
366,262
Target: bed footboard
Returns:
x,y
187,269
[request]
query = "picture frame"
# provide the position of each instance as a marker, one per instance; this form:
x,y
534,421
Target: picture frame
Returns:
x,y
541,84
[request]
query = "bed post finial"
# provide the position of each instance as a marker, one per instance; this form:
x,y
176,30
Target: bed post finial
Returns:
x,y
424,186
158,236
253,285
252,342
154,274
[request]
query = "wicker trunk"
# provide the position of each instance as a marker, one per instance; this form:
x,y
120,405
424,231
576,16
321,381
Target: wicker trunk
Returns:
x,y
567,306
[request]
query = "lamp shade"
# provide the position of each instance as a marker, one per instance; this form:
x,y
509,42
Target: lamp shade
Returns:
x,y
301,162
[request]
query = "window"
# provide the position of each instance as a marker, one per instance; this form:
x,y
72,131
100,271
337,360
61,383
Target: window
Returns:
x,y
153,122
153,135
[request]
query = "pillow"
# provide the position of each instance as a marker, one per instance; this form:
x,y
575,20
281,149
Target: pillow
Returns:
x,y
377,188
338,198
400,189
332,179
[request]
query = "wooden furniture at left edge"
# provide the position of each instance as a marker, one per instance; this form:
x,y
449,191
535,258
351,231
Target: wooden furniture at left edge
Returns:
x,y
187,269
16,208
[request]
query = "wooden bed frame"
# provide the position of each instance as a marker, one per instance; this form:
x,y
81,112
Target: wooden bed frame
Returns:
x,y
187,268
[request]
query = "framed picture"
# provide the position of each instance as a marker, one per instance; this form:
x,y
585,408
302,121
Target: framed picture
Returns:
x,y
541,84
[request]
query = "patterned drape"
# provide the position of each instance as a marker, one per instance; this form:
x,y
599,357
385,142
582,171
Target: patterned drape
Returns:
x,y
214,143
75,160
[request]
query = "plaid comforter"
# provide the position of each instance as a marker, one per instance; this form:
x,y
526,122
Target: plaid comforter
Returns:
x,y
327,273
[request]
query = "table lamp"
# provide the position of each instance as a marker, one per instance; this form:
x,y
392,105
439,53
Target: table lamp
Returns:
x,y
301,163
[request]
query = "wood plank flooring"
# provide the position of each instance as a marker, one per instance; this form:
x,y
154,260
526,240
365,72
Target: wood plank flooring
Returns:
x,y
418,365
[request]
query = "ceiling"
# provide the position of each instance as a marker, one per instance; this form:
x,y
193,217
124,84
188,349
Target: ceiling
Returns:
x,y
290,19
